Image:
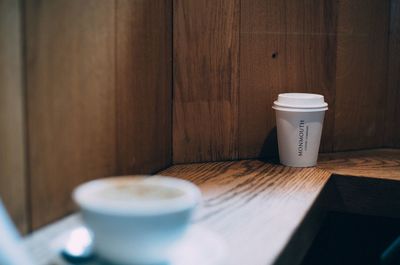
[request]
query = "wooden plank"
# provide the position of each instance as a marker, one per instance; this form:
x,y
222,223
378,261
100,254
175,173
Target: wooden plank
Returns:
x,y
364,182
392,129
258,198
205,78
361,76
71,100
285,46
301,240
379,163
12,127
143,76
254,205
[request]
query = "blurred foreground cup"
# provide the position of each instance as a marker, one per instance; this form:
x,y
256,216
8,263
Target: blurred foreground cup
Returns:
x,y
137,219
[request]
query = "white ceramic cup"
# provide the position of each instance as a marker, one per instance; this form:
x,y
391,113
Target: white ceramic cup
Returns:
x,y
137,229
299,121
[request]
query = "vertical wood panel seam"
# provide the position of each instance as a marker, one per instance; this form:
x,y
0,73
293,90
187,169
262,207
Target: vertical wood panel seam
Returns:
x,y
24,70
172,88
117,169
385,113
235,80
237,153
332,146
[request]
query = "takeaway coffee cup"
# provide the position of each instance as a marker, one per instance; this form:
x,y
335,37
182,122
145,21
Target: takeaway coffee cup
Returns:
x,y
299,120
136,220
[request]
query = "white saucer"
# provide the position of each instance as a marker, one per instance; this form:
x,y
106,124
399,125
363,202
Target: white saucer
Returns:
x,y
200,246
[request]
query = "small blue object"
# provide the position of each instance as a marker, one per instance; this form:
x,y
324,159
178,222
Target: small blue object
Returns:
x,y
12,251
391,255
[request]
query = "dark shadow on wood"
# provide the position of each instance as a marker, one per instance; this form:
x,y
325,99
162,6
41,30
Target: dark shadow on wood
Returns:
x,y
359,217
303,237
269,151
347,238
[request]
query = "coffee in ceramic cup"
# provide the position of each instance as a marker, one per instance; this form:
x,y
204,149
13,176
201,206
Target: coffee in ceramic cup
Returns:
x,y
137,219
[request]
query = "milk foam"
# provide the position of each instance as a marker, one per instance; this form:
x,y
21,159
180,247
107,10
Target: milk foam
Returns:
x,y
137,195
138,191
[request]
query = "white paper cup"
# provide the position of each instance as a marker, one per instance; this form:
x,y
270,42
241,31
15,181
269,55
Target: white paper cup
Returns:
x,y
129,230
299,121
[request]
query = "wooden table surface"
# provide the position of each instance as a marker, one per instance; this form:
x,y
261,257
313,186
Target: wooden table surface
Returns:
x,y
377,163
268,213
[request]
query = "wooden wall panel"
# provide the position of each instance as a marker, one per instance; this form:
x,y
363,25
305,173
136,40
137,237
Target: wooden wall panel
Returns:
x,y
206,80
71,100
99,94
392,128
99,85
285,46
335,48
144,93
361,77
12,128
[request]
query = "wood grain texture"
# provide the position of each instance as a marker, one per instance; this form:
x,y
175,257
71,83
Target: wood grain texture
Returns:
x,y
285,46
12,116
392,126
143,85
253,205
205,78
269,214
70,100
361,78
335,48
364,182
301,240
379,163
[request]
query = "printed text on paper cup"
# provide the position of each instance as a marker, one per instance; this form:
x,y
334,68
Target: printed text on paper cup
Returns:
x,y
303,138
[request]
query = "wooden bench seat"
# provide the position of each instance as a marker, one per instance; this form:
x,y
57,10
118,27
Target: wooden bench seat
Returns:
x,y
269,214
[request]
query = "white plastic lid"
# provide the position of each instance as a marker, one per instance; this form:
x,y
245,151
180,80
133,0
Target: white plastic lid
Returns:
x,y
301,101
